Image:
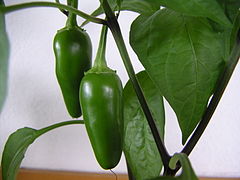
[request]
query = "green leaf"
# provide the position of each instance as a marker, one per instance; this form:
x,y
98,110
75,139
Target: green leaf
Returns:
x,y
183,56
199,8
4,55
119,3
234,32
139,6
187,170
14,151
224,34
17,145
231,8
138,144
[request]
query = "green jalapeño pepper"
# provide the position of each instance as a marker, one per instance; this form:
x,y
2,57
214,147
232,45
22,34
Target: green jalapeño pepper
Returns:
x,y
102,107
73,53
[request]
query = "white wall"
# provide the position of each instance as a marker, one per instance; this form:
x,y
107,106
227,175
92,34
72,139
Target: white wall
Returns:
x,y
34,100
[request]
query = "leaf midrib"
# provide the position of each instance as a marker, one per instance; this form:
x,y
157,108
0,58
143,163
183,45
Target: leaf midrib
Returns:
x,y
196,67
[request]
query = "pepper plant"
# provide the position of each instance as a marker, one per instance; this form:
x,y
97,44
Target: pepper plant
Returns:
x,y
188,49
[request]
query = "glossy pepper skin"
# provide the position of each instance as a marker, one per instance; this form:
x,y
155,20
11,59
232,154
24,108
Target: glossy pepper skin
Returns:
x,y
102,107
73,53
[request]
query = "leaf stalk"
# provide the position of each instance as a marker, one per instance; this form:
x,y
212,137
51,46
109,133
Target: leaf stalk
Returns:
x,y
54,126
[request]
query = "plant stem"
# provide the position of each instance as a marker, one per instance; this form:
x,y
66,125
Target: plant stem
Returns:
x,y
7,9
115,29
54,126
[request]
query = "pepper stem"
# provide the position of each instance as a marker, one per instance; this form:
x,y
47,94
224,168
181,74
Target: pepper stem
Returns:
x,y
72,18
100,61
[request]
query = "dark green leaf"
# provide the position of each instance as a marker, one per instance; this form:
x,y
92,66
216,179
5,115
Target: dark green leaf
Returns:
x,y
199,8
231,8
17,144
234,32
119,2
187,170
140,6
4,55
139,146
183,56
224,34
226,42
14,151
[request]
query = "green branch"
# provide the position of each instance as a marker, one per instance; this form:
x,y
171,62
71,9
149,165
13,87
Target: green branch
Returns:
x,y
7,9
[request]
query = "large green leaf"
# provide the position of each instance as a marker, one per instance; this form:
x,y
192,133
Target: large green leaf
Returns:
x,y
183,56
187,170
4,55
17,145
139,146
199,8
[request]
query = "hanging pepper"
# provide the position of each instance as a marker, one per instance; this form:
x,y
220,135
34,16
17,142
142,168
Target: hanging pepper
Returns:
x,y
102,107
73,53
